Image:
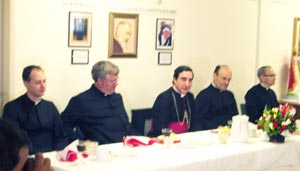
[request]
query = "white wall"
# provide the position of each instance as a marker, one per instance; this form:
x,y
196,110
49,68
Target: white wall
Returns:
x,y
276,38
244,34
1,54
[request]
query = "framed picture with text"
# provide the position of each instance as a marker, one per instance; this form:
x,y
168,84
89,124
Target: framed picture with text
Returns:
x,y
80,56
164,58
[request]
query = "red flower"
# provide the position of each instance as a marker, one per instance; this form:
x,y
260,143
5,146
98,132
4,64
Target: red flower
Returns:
x,y
272,120
283,113
275,124
282,128
283,109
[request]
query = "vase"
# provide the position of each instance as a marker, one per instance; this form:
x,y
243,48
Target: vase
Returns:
x,y
277,138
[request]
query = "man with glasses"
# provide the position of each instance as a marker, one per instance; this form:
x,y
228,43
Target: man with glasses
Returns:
x,y
261,95
98,112
215,105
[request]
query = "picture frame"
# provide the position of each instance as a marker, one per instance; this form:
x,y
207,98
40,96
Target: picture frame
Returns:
x,y
296,37
164,34
80,56
164,58
123,35
80,29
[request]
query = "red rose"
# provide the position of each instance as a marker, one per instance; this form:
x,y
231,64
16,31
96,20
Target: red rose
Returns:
x,y
282,128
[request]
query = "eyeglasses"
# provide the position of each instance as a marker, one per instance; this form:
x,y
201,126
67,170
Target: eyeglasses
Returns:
x,y
112,81
270,75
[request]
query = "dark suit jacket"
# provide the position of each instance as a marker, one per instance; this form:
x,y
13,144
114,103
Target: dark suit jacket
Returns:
x,y
100,117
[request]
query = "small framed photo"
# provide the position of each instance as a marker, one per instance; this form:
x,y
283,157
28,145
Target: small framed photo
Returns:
x,y
80,56
165,34
80,29
123,35
164,58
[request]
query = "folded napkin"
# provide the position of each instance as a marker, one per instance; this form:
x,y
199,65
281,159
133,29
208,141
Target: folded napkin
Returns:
x,y
67,155
70,153
135,141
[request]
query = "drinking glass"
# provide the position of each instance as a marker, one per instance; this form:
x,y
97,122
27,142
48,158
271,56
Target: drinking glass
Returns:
x,y
166,132
168,140
223,136
229,123
80,149
91,149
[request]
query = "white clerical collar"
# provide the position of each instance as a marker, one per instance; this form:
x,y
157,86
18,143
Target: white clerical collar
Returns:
x,y
264,86
181,95
36,103
215,86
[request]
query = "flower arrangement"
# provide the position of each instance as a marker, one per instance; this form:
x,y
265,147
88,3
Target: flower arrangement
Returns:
x,y
277,120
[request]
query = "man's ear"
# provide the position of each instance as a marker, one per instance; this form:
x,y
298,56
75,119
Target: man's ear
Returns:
x,y
215,76
99,80
26,83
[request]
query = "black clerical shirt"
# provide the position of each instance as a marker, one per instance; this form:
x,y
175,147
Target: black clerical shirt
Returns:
x,y
41,122
164,109
100,117
213,108
256,99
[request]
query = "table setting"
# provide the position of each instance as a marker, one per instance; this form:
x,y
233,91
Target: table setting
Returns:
x,y
203,150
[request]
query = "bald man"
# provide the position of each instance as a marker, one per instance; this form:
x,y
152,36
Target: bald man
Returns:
x,y
215,105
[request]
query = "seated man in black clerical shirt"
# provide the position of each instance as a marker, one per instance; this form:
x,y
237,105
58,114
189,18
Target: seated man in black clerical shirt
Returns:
x,y
39,118
173,108
215,105
261,95
99,112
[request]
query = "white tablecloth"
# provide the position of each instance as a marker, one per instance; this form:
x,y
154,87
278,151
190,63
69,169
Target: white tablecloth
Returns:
x,y
197,151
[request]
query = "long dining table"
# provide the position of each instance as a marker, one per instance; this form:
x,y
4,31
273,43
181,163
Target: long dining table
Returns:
x,y
196,151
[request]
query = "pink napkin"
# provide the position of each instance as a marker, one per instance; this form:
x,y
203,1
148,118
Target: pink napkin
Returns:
x,y
136,141
67,155
70,153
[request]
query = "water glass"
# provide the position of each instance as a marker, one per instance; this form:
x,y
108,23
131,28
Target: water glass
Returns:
x,y
80,148
166,132
91,149
229,123
168,140
223,136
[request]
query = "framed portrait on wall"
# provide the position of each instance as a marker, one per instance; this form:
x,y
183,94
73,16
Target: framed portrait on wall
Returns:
x,y
123,35
296,37
165,34
80,29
